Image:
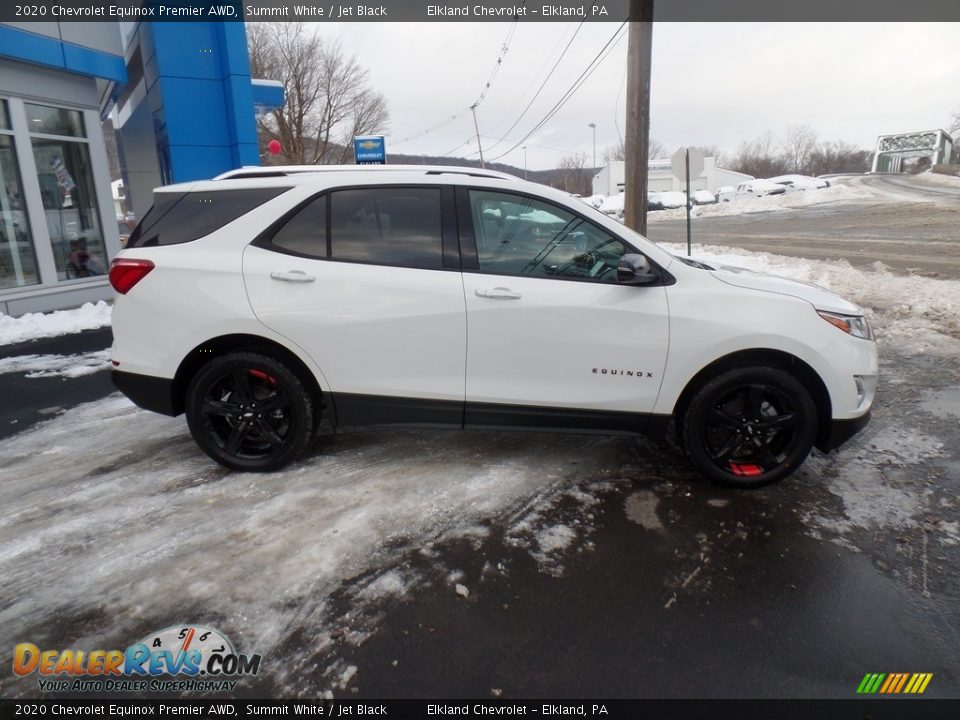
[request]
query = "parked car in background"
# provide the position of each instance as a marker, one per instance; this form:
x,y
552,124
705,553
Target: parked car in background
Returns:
x,y
794,183
612,205
672,199
268,303
726,193
703,197
759,188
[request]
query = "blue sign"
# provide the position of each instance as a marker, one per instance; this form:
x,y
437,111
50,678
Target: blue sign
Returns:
x,y
370,150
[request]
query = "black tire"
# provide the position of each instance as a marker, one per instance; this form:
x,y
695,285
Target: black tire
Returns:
x,y
750,426
249,412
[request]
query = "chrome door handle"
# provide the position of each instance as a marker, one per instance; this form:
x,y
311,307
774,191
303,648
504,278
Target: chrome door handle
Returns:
x,y
498,293
292,276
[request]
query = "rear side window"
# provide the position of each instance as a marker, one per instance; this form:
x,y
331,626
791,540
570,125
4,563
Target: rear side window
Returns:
x,y
183,217
387,226
306,232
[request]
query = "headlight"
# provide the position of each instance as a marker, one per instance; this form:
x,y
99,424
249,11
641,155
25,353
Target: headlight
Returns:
x,y
855,325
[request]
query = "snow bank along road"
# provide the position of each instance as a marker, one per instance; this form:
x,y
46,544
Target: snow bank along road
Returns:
x,y
905,222
503,565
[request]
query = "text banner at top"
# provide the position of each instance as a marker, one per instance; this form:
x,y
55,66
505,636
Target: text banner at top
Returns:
x,y
485,11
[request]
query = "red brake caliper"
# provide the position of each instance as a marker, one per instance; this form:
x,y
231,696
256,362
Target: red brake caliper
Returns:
x,y
742,470
263,376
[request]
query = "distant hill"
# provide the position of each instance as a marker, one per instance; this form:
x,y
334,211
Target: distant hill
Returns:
x,y
556,177
546,177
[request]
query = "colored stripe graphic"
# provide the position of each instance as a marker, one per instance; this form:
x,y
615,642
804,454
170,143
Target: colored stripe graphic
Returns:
x,y
894,683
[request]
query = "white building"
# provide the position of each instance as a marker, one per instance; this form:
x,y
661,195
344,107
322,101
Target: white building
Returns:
x,y
609,181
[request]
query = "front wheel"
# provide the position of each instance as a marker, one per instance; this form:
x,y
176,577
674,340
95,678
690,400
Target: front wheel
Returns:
x,y
249,412
750,426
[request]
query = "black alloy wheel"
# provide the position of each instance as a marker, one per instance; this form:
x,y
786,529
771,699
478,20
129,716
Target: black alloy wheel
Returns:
x,y
750,426
249,412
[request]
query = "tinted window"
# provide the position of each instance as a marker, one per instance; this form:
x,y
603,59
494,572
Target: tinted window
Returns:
x,y
305,232
183,217
387,226
521,236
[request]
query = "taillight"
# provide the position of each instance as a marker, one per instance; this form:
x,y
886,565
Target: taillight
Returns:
x,y
127,272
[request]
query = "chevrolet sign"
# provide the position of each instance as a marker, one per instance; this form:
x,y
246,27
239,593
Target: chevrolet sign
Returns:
x,y
370,150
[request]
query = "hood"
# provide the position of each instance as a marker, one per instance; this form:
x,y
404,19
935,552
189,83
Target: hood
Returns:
x,y
819,297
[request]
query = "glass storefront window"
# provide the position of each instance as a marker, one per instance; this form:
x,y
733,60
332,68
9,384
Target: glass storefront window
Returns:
x,y
4,116
18,264
70,206
54,121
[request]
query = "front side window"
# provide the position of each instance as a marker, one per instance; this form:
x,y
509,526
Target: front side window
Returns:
x,y
518,235
387,226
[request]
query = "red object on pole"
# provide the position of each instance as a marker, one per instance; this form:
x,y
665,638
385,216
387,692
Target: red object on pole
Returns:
x,y
274,147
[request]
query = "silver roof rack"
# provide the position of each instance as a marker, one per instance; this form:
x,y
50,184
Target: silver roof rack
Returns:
x,y
287,170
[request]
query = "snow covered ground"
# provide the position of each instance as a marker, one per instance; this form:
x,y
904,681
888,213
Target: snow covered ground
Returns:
x,y
69,366
111,509
33,326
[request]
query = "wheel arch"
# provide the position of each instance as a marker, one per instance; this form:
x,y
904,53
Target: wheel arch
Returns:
x,y
225,344
770,358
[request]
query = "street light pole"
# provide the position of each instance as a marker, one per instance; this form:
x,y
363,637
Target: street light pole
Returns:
x,y
594,126
524,148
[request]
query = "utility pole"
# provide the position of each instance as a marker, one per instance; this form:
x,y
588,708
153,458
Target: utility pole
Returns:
x,y
477,128
637,140
524,148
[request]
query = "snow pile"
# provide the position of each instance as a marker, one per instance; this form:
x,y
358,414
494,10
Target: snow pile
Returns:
x,y
70,366
741,205
921,314
952,181
33,326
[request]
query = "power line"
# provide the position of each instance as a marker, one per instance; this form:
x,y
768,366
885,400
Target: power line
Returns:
x,y
504,49
591,67
540,89
455,116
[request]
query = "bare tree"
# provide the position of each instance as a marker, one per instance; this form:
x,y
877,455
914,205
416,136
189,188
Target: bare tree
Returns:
x,y
328,97
758,158
575,176
798,143
657,150
837,156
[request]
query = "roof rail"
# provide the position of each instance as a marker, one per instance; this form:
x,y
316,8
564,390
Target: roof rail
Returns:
x,y
287,170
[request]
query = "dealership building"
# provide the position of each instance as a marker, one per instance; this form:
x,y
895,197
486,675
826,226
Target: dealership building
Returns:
x,y
660,178
183,103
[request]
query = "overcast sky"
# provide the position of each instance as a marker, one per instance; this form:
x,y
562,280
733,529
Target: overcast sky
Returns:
x,y
713,83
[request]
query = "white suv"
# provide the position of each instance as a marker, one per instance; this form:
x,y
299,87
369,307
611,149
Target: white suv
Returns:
x,y
269,299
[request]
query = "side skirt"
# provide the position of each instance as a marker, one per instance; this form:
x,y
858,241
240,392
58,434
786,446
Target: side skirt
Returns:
x,y
355,410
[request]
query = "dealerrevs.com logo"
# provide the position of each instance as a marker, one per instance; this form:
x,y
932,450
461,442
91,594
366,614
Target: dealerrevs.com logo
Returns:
x,y
198,658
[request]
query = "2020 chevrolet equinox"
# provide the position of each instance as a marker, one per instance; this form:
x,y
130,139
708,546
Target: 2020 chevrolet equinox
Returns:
x,y
268,299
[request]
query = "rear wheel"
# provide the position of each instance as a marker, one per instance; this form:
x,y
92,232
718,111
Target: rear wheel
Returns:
x,y
249,412
750,426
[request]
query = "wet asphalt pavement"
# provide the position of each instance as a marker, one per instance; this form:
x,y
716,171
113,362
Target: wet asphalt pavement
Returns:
x,y
670,587
677,588
41,398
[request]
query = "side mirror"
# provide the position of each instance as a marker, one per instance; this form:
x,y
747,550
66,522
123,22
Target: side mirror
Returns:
x,y
635,269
